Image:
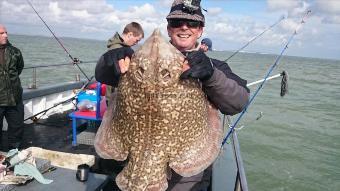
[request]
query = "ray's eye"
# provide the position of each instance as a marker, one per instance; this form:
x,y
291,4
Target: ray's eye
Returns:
x,y
165,74
140,73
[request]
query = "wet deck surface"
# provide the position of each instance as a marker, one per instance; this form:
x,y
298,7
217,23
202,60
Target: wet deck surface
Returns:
x,y
55,133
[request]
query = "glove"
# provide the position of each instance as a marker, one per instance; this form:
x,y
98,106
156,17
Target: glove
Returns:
x,y
107,69
112,57
200,66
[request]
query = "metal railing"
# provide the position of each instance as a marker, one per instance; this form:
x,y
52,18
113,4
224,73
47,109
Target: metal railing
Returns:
x,y
33,84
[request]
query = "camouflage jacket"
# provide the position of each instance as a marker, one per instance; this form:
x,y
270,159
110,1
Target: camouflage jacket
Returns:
x,y
10,85
115,42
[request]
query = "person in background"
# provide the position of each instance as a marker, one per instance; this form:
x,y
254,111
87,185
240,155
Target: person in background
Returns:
x,y
224,89
110,66
116,60
11,104
206,45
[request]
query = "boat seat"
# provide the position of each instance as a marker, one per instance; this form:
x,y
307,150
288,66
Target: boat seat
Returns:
x,y
91,115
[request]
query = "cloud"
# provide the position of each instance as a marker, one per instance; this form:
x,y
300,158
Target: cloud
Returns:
x,y
145,11
328,7
293,8
165,3
334,19
55,10
289,25
276,5
328,11
83,14
87,16
229,29
213,11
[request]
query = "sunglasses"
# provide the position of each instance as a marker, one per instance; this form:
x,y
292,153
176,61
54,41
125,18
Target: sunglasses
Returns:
x,y
189,23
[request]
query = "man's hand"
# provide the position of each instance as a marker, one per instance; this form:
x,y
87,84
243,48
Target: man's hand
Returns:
x,y
124,64
200,66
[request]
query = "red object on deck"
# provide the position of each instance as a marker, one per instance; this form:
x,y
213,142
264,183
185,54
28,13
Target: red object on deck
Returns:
x,y
93,86
85,113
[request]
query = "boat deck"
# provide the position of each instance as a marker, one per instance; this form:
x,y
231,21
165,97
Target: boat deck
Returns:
x,y
55,133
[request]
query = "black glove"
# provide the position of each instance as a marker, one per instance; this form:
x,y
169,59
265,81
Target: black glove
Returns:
x,y
112,57
200,66
107,69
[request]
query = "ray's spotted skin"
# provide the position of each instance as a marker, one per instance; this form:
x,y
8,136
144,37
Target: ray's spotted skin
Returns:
x,y
160,121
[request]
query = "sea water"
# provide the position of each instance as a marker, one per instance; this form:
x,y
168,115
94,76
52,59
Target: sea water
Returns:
x,y
295,145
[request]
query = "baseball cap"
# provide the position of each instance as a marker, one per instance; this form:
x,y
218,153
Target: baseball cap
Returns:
x,y
186,9
207,42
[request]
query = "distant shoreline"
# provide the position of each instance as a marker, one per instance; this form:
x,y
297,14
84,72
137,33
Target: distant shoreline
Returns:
x,y
243,52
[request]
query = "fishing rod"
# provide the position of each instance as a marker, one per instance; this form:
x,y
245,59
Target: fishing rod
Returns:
x,y
257,36
75,61
284,90
266,76
34,117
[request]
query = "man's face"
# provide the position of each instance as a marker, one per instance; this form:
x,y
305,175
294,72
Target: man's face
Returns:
x,y
3,35
133,40
184,33
204,47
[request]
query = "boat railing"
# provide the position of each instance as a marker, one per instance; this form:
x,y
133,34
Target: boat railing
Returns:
x,y
232,156
241,180
34,75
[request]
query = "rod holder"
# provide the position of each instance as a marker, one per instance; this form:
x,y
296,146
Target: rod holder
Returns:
x,y
33,85
77,77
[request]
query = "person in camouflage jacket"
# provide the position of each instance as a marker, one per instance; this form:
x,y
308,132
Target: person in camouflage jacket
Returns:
x,y
11,104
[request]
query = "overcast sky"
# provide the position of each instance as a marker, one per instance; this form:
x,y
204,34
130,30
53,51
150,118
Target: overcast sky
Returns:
x,y
229,23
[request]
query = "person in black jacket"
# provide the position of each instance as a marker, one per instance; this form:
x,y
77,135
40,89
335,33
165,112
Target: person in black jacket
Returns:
x,y
116,60
11,105
224,89
206,45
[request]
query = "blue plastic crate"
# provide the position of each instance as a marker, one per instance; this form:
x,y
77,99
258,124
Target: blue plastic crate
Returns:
x,y
88,94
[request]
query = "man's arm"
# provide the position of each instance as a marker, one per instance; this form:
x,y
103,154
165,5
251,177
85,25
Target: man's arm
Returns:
x,y
225,93
112,64
20,61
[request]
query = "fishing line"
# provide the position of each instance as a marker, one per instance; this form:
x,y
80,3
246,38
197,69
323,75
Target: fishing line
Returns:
x,y
265,78
75,61
34,117
277,22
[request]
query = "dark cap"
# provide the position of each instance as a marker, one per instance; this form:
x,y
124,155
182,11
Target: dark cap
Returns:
x,y
186,9
207,42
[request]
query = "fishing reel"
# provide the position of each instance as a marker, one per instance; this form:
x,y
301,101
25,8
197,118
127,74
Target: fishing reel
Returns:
x,y
34,119
76,61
